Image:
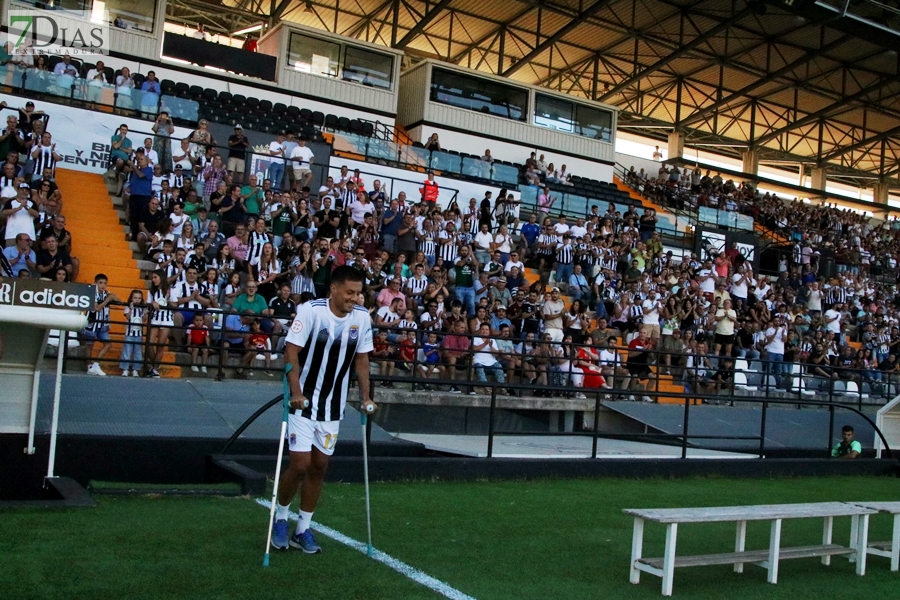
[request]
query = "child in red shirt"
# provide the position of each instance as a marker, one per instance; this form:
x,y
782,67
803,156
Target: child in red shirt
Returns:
x,y
407,351
198,342
259,347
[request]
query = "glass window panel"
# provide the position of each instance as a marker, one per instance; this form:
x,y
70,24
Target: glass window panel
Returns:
x,y
506,174
481,95
594,123
552,112
180,108
123,14
368,68
313,55
444,161
127,14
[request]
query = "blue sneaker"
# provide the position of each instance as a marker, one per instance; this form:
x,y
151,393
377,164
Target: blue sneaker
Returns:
x,y
280,535
306,542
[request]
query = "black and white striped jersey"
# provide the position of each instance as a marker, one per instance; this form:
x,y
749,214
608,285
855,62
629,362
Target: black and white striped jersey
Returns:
x,y
45,160
564,254
185,289
256,241
836,294
328,346
427,244
546,239
98,319
417,286
163,316
135,327
448,250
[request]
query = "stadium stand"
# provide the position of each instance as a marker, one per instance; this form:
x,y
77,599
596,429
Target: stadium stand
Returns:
x,y
637,271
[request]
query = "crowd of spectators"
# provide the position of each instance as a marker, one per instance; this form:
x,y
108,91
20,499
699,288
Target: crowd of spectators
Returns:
x,y
36,241
449,288
836,282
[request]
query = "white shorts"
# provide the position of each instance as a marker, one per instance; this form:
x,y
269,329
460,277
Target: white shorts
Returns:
x,y
305,433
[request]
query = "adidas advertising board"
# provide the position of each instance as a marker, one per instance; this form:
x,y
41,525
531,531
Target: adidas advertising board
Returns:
x,y
35,293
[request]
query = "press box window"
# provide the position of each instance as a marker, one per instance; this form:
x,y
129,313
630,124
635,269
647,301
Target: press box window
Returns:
x,y
481,95
594,123
313,55
368,68
552,112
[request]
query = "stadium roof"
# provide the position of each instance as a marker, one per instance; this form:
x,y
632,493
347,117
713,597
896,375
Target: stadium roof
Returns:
x,y
812,81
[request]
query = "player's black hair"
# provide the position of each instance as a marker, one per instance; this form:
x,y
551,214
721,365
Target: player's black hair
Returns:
x,y
345,273
846,429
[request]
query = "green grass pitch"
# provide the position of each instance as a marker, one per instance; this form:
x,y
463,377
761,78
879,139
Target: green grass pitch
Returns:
x,y
510,540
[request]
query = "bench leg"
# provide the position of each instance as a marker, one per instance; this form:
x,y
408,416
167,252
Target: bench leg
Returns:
x,y
827,530
895,545
637,547
740,540
854,533
774,550
669,559
862,543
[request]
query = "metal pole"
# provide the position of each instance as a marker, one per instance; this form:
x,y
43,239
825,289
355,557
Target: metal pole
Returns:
x,y
490,450
596,426
830,426
54,423
64,348
762,430
223,351
684,427
29,449
145,356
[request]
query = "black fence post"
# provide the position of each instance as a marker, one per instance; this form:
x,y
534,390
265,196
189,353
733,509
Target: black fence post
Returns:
x,y
223,354
490,450
830,427
762,430
64,348
596,426
684,427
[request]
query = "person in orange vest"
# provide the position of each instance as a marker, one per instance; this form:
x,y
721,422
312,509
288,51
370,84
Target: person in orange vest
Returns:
x,y
430,191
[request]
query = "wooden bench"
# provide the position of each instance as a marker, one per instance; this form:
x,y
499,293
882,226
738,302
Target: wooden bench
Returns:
x,y
889,549
775,513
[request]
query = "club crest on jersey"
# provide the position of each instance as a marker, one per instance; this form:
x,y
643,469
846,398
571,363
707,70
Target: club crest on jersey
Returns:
x,y
354,332
297,326
293,439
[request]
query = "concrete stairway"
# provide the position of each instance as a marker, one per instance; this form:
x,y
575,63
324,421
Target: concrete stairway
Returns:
x,y
100,245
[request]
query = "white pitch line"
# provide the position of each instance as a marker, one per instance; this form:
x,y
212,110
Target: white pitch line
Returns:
x,y
398,565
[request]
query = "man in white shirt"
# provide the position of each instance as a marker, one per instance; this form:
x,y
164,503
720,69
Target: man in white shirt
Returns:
x,y
95,79
483,241
513,262
276,167
301,160
612,366
650,306
707,279
833,318
485,356
740,283
552,312
578,230
726,317
561,226
814,299
150,153
776,336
